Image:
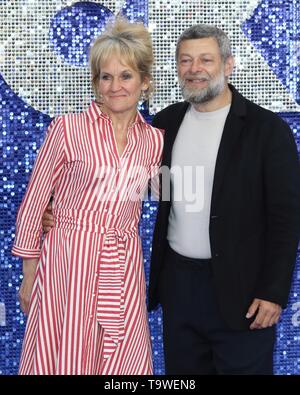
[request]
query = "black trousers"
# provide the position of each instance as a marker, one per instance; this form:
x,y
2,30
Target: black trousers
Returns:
x,y
196,338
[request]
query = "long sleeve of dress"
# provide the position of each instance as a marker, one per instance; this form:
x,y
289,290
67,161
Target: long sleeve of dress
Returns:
x,y
46,170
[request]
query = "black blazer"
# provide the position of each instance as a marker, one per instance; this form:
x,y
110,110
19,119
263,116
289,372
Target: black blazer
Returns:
x,y
255,209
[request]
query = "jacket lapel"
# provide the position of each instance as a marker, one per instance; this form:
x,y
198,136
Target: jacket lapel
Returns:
x,y
233,126
173,127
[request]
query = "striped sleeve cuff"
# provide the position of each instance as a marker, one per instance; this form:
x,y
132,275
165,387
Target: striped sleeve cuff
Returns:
x,y
25,253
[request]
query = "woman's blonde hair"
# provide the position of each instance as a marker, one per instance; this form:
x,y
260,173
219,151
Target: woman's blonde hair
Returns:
x,y
131,42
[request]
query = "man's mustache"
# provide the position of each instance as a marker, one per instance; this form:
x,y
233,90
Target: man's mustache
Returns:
x,y
193,77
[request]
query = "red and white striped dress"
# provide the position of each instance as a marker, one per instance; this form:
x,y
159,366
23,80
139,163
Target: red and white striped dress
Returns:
x,y
88,305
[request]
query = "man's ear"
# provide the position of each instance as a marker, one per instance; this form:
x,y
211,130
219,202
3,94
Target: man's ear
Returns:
x,y
229,65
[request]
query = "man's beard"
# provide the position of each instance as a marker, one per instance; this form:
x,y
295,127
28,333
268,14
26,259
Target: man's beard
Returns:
x,y
203,95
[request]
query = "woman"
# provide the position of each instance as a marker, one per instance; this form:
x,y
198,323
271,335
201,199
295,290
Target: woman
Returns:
x,y
85,282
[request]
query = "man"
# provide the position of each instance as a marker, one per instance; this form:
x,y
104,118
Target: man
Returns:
x,y
222,272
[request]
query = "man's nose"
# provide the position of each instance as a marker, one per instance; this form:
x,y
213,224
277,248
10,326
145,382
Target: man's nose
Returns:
x,y
196,66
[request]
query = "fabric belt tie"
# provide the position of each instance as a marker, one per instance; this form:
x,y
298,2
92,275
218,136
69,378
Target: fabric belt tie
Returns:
x,y
111,273
110,302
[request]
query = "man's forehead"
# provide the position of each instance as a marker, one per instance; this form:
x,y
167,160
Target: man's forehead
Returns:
x,y
199,46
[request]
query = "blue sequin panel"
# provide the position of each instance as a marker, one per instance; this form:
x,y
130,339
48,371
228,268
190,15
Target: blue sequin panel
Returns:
x,y
274,30
74,28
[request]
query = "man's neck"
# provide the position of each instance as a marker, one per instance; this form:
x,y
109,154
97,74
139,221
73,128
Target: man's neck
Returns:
x,y
220,101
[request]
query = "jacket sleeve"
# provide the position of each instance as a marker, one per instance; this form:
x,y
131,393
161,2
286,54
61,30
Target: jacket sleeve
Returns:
x,y
282,203
46,170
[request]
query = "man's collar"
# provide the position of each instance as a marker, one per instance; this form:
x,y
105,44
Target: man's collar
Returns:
x,y
238,102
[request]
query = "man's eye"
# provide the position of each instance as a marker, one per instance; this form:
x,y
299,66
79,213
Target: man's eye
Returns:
x,y
184,61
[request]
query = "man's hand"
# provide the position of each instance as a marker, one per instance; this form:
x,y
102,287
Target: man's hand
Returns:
x,y
268,313
47,219
29,269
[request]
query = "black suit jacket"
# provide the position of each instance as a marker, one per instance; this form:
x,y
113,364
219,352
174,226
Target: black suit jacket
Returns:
x,y
255,209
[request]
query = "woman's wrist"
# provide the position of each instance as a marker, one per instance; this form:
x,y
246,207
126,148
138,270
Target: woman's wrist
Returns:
x,y
29,266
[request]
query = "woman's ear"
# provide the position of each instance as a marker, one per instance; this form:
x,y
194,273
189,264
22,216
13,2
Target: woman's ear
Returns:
x,y
146,83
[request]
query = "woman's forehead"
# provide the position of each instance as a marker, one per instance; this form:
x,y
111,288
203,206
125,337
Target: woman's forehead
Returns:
x,y
116,60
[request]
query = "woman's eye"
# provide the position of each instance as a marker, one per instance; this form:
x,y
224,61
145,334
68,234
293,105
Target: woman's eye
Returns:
x,y
104,77
126,76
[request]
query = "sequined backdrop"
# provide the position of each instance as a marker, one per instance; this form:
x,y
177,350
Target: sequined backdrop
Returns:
x,y
43,66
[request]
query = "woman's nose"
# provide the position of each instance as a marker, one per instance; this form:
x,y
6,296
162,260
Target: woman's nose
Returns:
x,y
115,86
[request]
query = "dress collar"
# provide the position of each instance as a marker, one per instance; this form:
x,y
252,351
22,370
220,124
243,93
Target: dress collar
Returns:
x,y
94,112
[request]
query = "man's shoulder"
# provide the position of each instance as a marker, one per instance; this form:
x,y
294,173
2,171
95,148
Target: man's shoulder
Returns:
x,y
172,108
259,114
162,118
260,111
265,123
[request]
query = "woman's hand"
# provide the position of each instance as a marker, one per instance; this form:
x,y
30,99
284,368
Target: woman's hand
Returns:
x,y
29,269
47,220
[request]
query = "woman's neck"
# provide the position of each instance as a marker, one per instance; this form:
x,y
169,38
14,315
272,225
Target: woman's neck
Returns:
x,y
121,121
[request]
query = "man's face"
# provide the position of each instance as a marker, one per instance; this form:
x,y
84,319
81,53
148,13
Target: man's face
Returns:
x,y
202,72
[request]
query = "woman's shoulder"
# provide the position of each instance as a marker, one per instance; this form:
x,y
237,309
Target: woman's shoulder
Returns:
x,y
156,131
74,122
74,117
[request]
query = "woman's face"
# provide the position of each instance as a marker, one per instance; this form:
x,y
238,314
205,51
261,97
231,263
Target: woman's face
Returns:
x,y
120,86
